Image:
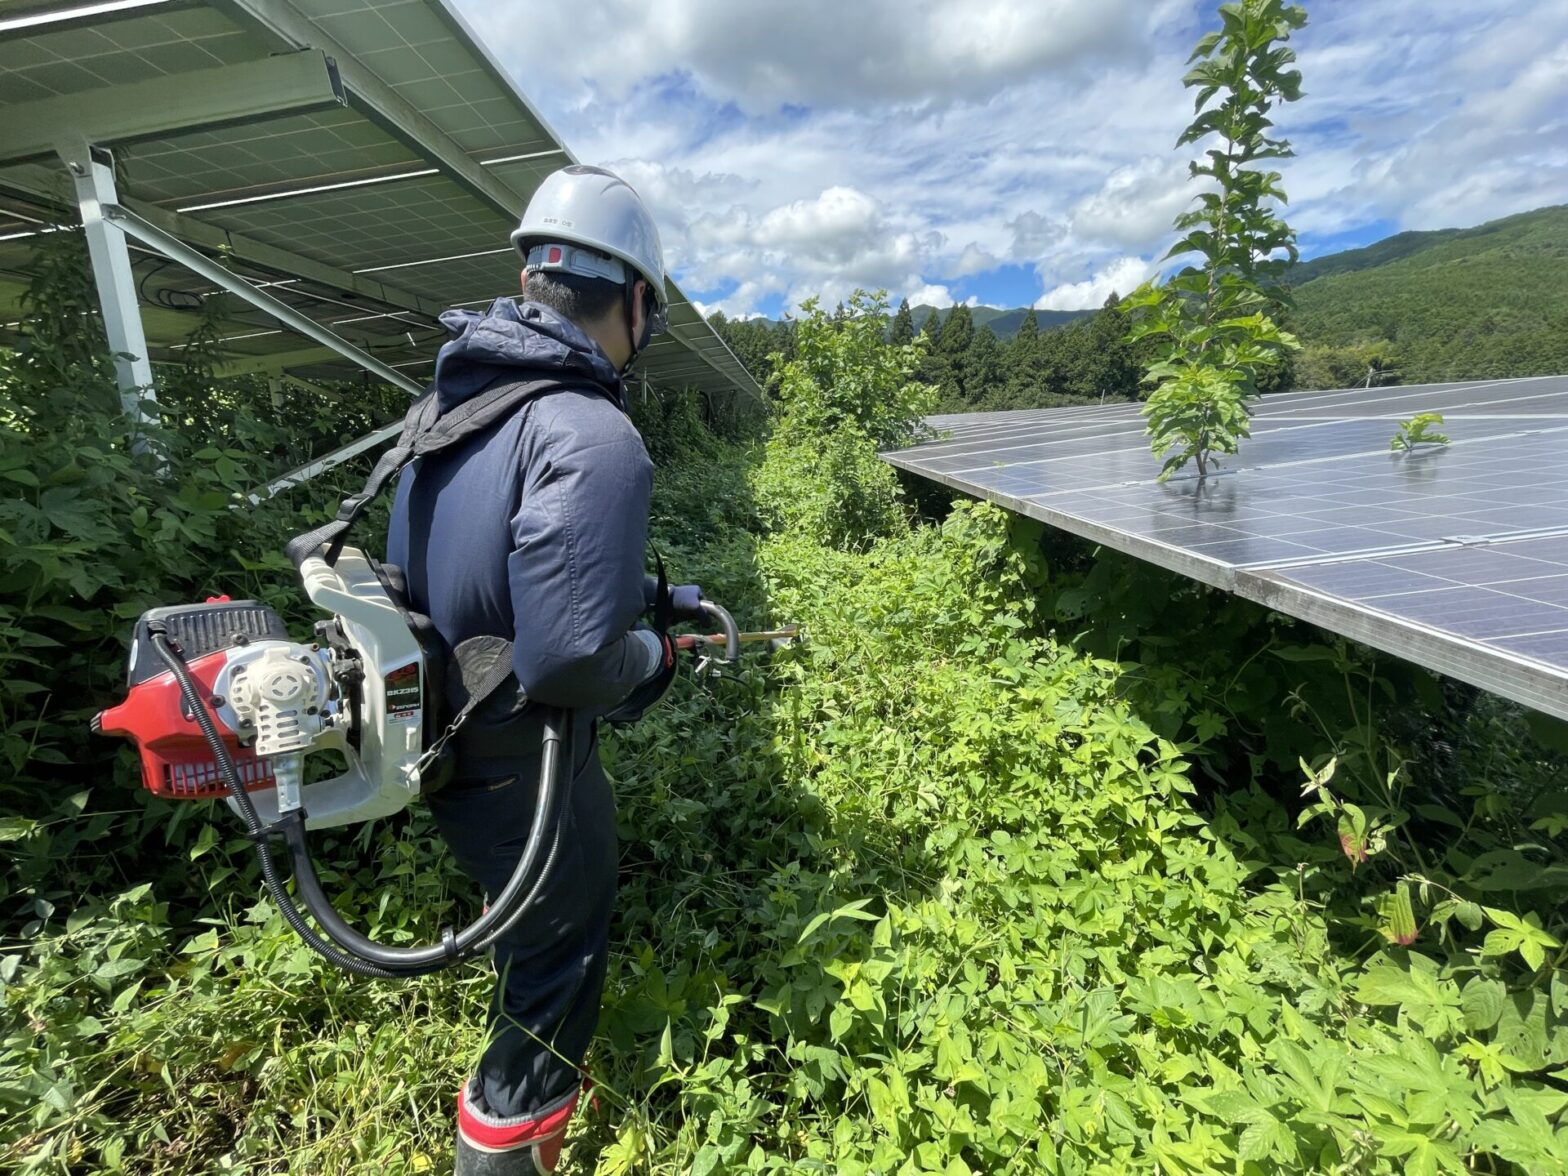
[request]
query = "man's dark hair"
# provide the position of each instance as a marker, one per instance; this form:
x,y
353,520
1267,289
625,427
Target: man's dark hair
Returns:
x,y
574,296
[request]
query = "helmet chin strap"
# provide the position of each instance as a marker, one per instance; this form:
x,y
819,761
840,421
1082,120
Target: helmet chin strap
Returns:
x,y
629,302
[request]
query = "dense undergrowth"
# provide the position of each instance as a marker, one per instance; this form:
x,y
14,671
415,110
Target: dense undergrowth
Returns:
x,y
1006,869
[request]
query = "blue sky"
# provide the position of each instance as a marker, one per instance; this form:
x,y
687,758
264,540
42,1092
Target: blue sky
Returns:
x,y
1010,152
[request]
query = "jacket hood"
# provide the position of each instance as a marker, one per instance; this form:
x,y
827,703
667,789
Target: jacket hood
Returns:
x,y
514,341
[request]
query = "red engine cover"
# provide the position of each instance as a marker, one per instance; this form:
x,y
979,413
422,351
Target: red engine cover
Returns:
x,y
177,764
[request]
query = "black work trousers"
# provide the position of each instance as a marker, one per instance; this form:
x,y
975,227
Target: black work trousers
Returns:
x,y
550,967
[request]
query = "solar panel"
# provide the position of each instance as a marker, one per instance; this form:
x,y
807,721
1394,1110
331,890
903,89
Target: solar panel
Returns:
x,y
1455,556
368,217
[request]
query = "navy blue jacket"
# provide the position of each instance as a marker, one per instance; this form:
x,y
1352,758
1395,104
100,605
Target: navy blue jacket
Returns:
x,y
536,529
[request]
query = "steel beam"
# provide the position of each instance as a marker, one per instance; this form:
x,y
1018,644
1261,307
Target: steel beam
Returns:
x,y
215,239
285,26
200,100
207,236
171,247
327,461
92,172
381,436
40,22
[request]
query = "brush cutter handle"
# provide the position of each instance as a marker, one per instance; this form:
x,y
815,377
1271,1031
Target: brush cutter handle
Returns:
x,y
784,636
727,623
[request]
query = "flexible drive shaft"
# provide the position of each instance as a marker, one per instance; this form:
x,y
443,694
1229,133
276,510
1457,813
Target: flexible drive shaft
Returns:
x,y
352,951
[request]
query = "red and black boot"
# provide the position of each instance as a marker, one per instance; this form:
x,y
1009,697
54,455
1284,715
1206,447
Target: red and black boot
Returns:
x,y
518,1145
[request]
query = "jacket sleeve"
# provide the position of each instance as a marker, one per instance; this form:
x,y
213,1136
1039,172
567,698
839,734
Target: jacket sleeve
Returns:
x,y
576,567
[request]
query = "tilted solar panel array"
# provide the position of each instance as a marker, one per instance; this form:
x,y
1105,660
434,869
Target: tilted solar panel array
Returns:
x,y
401,199
1455,556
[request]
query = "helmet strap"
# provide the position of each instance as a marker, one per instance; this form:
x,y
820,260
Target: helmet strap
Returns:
x,y
629,302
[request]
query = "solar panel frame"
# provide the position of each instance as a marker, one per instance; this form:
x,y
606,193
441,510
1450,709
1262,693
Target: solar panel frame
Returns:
x,y
1418,554
415,232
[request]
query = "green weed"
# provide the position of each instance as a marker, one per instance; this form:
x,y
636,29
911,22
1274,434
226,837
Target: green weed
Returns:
x,y
1006,869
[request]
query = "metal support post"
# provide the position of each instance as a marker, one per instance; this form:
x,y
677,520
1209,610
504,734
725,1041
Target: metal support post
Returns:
x,y
92,171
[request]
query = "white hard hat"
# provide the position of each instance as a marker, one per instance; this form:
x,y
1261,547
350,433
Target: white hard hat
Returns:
x,y
586,220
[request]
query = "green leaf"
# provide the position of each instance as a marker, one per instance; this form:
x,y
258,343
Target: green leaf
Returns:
x,y
1470,914
1263,1138
851,910
114,969
1399,916
1483,1000
1524,935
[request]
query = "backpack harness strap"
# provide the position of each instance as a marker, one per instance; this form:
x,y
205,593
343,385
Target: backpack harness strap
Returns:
x,y
426,430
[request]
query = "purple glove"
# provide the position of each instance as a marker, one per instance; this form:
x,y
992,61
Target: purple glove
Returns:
x,y
685,600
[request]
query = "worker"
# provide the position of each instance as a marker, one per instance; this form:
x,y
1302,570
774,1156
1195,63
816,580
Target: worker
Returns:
x,y
535,531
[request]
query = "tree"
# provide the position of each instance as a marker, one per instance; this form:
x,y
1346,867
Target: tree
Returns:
x,y
944,366
957,332
1320,366
754,342
846,394
903,329
1216,323
1110,364
845,375
981,375
782,338
1022,369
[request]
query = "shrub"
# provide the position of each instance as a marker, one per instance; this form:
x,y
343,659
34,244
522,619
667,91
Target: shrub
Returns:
x,y
846,394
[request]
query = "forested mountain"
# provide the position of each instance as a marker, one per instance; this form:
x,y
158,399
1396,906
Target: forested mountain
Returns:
x,y
1487,302
1003,324
1369,256
1421,307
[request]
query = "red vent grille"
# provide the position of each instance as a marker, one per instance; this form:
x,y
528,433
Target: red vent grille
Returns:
x,y
200,780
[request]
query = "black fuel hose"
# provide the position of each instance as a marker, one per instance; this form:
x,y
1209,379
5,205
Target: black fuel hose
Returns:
x,y
354,952
503,912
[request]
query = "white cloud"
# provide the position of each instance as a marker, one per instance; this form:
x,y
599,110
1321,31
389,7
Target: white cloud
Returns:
x,y
917,145
1446,116
930,296
834,227
1120,277
1033,235
973,260
830,244
819,52
1136,203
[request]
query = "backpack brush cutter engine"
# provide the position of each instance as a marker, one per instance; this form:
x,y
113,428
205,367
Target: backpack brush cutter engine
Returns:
x,y
223,703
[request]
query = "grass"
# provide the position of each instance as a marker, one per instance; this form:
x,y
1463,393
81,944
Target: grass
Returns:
x,y
929,894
